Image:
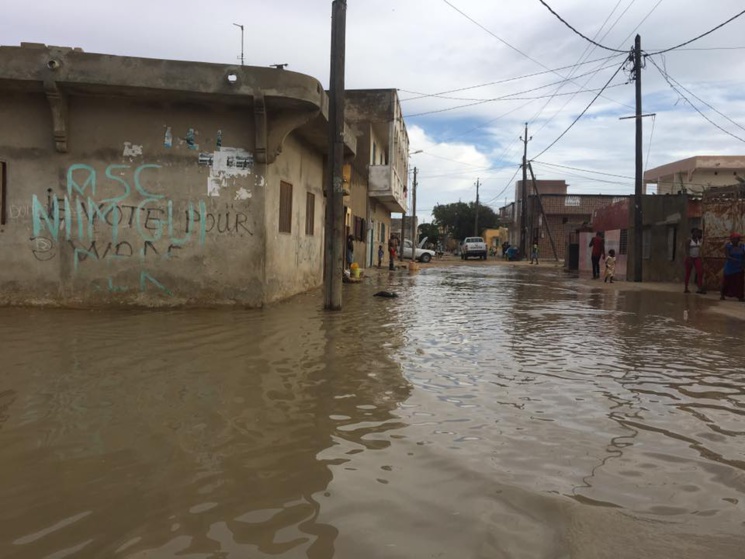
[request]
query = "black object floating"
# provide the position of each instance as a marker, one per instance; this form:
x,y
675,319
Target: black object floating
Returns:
x,y
389,294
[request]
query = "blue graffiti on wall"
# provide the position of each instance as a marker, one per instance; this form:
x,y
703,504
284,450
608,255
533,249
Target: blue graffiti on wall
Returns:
x,y
81,219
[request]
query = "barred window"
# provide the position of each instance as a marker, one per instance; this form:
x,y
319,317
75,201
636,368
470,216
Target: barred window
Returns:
x,y
285,207
623,245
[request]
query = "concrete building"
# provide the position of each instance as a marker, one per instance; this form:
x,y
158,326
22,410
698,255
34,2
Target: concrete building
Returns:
x,y
564,214
379,171
155,182
696,174
667,221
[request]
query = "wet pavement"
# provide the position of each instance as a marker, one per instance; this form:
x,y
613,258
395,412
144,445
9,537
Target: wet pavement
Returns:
x,y
488,411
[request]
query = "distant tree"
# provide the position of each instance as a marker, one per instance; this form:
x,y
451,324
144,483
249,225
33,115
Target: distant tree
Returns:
x,y
459,218
429,230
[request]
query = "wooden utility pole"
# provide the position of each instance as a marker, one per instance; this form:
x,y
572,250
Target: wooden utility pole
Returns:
x,y
334,225
414,236
476,224
543,213
524,195
638,218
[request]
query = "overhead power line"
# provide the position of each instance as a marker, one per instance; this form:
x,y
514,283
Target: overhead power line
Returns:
x,y
585,37
498,82
582,170
694,107
583,112
498,38
507,97
733,18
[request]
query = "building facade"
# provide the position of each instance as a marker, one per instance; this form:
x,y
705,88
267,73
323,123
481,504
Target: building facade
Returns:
x,y
696,174
151,182
551,215
379,171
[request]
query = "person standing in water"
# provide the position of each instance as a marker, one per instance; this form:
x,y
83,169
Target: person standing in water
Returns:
x,y
694,261
733,280
610,266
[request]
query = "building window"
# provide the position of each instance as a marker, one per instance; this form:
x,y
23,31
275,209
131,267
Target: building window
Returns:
x,y
285,207
374,153
382,232
623,244
3,194
310,213
573,201
646,243
672,236
359,228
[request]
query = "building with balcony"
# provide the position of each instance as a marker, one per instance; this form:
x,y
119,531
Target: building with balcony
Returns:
x,y
379,171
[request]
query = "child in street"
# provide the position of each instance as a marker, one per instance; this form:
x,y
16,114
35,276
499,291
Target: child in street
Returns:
x,y
534,253
380,255
610,266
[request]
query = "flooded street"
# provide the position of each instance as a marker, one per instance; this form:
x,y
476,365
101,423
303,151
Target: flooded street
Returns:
x,y
488,412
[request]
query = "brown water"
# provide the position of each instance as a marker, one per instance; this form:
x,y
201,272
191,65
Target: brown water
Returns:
x,y
486,412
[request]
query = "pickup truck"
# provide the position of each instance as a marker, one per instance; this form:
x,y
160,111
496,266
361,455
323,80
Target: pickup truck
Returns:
x,y
422,254
473,246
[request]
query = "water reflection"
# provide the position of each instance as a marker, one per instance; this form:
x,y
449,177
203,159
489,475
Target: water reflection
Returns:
x,y
486,412
184,434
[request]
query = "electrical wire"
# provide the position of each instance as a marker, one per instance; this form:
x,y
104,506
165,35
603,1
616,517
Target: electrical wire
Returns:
x,y
733,18
589,48
579,169
676,82
506,80
469,18
586,38
509,183
582,113
506,97
669,82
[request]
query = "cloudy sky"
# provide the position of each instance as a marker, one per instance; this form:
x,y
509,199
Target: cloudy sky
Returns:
x,y
470,73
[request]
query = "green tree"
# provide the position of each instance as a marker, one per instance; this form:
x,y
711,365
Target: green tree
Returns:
x,y
459,219
429,230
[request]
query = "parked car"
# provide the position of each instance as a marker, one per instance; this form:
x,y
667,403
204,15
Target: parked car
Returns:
x,y
473,246
422,254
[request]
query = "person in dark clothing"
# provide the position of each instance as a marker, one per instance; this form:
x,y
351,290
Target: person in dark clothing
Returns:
x,y
350,250
597,244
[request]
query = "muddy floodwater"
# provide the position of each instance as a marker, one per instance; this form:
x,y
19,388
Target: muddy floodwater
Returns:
x,y
487,412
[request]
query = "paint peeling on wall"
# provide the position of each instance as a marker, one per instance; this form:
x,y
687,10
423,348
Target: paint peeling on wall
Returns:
x,y
131,150
242,194
226,165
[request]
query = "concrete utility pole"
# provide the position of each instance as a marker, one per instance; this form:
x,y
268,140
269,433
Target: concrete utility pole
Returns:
x,y
476,224
638,221
414,236
524,194
334,225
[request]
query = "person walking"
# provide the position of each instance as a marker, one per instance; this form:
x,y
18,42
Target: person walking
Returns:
x,y
392,253
534,253
380,255
733,280
610,266
597,244
694,261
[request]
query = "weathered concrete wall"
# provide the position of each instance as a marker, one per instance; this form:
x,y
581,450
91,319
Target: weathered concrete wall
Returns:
x,y
130,185
123,217
294,261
